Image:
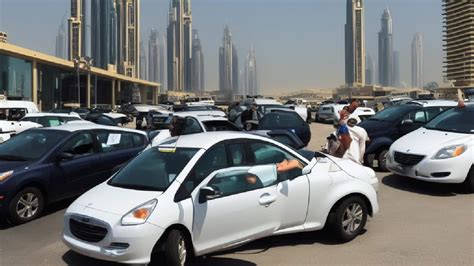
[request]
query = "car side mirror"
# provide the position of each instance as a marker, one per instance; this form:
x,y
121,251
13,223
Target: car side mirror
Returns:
x,y
308,168
208,193
406,122
65,156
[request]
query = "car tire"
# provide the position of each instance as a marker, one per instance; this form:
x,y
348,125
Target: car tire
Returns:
x,y
350,217
369,160
468,184
26,205
175,249
382,161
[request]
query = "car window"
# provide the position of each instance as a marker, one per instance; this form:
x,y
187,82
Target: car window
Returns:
x,y
49,121
277,120
432,112
80,145
237,153
112,141
268,154
191,126
64,120
12,114
28,119
220,126
238,181
417,116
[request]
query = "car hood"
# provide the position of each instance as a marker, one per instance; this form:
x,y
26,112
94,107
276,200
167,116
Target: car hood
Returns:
x,y
115,200
9,165
425,141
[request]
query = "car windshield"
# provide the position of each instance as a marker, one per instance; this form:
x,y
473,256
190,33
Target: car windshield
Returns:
x,y
280,120
459,120
154,169
220,126
391,114
30,145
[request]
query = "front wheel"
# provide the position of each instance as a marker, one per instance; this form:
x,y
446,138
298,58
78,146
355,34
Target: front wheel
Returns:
x,y
350,218
175,249
382,160
27,205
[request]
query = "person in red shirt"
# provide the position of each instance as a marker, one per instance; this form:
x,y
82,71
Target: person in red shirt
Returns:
x,y
343,131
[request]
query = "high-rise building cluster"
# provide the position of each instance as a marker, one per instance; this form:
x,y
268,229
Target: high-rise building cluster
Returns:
x,y
228,66
156,58
115,34
360,68
251,85
459,39
61,44
197,65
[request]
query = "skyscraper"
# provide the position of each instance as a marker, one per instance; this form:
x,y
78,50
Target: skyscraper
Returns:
x,y
369,70
61,42
459,38
417,62
104,44
355,43
179,45
197,66
77,29
155,58
228,66
251,86
143,64
396,69
128,36
386,50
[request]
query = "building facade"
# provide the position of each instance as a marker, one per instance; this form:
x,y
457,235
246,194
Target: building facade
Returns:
x,y
251,85
128,37
355,43
459,39
396,69
104,44
228,66
61,43
370,70
156,61
179,45
143,62
77,30
385,72
197,65
417,62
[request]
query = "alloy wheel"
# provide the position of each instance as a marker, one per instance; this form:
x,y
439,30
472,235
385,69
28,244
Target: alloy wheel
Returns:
x,y
352,218
182,251
27,205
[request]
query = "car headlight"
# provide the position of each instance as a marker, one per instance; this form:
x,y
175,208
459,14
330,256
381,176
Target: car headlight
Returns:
x,y
450,152
5,175
140,214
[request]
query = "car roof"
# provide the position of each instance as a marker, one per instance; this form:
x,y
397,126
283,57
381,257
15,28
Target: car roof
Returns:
x,y
75,115
203,117
31,106
434,103
74,126
207,140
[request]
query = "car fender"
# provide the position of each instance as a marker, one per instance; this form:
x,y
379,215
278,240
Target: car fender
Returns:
x,y
377,143
340,190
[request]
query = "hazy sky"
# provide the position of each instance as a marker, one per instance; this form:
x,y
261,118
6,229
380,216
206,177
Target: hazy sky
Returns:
x,y
299,43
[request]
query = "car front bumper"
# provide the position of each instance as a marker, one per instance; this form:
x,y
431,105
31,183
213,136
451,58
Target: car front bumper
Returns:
x,y
452,170
124,244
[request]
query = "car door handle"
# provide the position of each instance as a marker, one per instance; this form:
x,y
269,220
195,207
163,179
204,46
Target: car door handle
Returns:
x,y
267,199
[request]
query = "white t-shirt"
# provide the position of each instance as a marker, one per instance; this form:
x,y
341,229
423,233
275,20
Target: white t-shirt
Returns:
x,y
356,150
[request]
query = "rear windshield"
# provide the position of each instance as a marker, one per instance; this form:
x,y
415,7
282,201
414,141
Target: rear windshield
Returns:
x,y
220,126
281,120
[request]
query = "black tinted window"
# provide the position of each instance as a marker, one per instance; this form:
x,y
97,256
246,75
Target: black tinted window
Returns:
x,y
281,120
79,145
220,126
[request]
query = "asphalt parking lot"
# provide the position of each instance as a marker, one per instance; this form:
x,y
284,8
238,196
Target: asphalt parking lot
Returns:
x,y
418,223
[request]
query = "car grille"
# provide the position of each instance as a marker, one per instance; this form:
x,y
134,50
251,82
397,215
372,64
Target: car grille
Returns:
x,y
86,231
408,159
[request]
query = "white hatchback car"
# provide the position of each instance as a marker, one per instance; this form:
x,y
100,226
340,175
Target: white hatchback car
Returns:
x,y
442,151
201,193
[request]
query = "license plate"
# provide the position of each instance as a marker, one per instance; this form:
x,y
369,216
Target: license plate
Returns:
x,y
402,170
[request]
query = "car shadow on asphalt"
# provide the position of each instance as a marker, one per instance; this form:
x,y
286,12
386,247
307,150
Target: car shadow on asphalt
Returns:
x,y
50,209
422,187
324,237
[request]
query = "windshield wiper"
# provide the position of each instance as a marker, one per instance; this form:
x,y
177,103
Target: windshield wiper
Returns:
x,y
12,158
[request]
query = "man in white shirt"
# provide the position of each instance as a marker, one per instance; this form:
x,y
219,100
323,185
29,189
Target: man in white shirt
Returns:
x,y
359,137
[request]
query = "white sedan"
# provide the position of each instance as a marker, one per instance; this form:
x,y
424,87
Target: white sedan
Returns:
x,y
442,151
201,193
